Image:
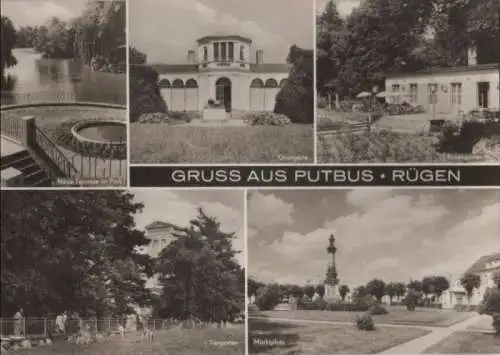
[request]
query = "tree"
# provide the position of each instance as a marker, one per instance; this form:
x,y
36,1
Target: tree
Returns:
x,y
440,284
296,98
469,282
309,291
296,291
199,275
391,290
415,285
253,286
343,291
268,297
9,38
376,287
320,290
359,292
83,260
145,96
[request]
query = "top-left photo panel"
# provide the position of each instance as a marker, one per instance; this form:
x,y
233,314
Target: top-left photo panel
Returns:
x,y
221,81
64,93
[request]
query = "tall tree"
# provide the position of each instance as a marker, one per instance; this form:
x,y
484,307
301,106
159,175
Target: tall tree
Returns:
x,y
343,291
469,282
71,251
309,291
9,38
376,287
320,290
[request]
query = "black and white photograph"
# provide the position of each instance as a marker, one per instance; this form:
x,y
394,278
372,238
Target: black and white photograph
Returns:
x,y
408,81
122,272
373,271
221,81
63,93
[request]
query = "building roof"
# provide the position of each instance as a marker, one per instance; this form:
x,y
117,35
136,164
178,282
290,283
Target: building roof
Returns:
x,y
224,38
159,225
480,264
431,71
193,68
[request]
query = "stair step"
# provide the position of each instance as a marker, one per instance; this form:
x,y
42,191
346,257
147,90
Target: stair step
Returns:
x,y
7,163
43,183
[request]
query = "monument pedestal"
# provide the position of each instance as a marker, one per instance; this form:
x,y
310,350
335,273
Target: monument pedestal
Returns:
x,y
214,114
332,293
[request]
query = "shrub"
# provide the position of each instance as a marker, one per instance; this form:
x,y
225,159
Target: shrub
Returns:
x,y
296,98
268,297
265,118
319,304
322,102
365,322
304,303
145,96
465,308
156,117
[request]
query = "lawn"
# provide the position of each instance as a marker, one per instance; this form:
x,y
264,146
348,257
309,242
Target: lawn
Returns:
x,y
192,342
467,343
48,118
396,316
316,339
158,143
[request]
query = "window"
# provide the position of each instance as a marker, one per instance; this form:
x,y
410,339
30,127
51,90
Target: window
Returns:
x,y
456,94
216,51
459,299
414,94
242,53
231,51
432,92
223,48
483,89
395,90
205,53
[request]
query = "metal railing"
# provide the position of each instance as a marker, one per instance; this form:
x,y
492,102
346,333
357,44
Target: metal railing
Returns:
x,y
40,97
12,127
56,155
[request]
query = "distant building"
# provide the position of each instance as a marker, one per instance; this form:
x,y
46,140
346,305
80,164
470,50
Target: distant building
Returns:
x,y
220,68
448,91
485,268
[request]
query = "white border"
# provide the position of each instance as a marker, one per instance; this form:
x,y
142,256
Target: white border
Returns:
x,y
127,70
315,139
245,253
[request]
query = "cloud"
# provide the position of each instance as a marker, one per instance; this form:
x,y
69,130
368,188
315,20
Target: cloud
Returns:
x,y
344,7
266,210
26,13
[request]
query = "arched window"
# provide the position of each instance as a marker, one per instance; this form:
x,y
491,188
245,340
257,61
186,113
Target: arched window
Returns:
x,y
271,83
164,83
242,53
178,84
191,84
282,83
257,83
205,53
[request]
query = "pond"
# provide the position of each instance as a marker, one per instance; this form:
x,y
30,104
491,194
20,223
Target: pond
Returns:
x,y
37,80
104,132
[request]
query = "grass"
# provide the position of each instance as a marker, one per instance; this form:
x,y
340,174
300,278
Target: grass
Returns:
x,y
385,147
316,339
467,343
229,341
48,118
158,143
396,316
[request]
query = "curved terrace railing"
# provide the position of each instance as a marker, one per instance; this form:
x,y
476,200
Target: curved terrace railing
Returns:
x,y
56,155
39,97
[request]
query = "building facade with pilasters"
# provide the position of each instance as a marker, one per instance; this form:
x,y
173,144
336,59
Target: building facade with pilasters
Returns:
x,y
220,69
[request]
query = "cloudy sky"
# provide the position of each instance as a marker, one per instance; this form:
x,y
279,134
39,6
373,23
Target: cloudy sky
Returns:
x,y
166,30
39,12
344,6
180,206
393,235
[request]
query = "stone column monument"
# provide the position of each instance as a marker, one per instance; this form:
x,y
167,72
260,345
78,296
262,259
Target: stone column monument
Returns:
x,y
331,281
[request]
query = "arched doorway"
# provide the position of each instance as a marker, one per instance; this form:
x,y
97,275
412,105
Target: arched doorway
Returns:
x,y
223,92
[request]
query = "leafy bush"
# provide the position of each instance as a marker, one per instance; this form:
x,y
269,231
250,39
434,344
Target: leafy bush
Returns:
x,y
154,118
365,322
305,303
268,297
321,102
465,308
461,139
296,98
266,118
319,304
145,96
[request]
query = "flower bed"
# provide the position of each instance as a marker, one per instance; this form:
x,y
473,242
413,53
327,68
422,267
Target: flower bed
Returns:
x,y
64,137
266,118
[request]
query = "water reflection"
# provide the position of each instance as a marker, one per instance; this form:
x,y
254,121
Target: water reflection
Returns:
x,y
35,80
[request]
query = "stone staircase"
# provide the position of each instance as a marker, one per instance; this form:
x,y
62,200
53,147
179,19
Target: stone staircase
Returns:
x,y
33,175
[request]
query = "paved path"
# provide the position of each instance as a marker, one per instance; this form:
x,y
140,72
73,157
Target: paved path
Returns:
x,y
419,345
9,147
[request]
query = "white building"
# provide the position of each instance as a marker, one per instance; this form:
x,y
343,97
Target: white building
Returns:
x,y
447,91
485,268
220,68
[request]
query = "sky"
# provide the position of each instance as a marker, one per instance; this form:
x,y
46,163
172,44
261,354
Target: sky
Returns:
x,y
166,30
343,6
393,235
180,206
39,12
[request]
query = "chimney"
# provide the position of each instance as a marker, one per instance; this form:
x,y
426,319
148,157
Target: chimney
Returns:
x,y
471,56
259,56
191,57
